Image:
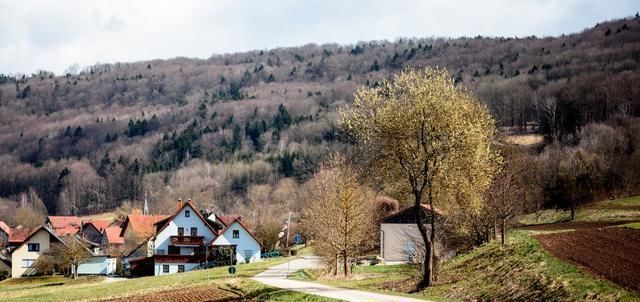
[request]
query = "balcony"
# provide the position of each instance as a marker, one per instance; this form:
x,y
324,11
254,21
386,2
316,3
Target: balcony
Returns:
x,y
187,240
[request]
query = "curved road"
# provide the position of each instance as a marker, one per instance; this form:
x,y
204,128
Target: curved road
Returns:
x,y
276,276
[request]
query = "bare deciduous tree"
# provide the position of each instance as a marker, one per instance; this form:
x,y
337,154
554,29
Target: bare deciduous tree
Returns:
x,y
339,214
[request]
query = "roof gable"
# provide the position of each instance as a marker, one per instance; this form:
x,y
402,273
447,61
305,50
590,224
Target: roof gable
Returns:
x,y
407,215
143,225
238,222
179,210
35,231
113,235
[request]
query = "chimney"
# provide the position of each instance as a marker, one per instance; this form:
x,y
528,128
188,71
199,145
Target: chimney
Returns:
x,y
179,205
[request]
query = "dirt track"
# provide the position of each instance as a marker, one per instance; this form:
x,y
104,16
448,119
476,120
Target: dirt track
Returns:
x,y
612,253
194,294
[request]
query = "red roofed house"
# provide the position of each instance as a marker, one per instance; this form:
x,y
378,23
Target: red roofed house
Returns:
x,y
34,244
186,240
64,225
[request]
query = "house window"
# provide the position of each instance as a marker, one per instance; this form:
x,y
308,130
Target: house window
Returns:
x,y
187,213
165,268
194,231
174,250
180,231
28,263
180,268
33,247
160,252
236,234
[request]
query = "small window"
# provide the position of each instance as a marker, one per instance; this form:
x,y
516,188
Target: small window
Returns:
x,y
180,268
180,231
187,213
165,268
33,247
236,234
28,263
194,231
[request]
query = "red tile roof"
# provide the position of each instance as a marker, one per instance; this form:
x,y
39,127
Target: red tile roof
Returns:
x,y
228,219
100,224
20,234
113,235
65,225
142,224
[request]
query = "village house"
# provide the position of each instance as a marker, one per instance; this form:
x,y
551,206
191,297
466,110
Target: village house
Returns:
x,y
399,235
35,245
187,240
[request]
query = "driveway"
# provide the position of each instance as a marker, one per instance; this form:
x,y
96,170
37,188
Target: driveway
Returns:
x,y
277,277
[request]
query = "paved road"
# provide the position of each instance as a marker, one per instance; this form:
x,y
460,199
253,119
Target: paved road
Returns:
x,y
277,277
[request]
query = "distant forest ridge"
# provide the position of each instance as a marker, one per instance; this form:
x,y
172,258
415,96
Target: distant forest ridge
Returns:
x,y
236,128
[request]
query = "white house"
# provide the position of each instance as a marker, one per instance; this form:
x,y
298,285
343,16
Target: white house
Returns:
x,y
399,236
186,240
180,244
25,254
240,240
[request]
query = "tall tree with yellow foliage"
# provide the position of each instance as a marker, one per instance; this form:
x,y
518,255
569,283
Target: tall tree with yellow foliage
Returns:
x,y
429,135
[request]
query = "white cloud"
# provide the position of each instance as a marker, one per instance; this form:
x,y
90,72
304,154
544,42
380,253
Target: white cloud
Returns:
x,y
54,35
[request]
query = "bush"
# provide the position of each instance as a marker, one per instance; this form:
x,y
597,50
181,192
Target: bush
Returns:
x,y
4,275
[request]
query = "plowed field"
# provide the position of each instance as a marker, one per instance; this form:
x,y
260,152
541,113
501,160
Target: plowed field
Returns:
x,y
612,253
189,294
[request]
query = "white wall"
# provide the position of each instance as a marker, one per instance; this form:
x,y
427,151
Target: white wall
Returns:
x,y
163,239
396,239
245,242
22,253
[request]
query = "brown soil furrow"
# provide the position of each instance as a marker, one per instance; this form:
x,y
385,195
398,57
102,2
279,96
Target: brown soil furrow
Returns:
x,y
612,253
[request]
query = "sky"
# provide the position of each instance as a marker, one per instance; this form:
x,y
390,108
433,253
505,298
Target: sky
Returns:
x,y
54,35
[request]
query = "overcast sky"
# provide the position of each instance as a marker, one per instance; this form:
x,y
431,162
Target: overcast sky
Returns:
x,y
52,35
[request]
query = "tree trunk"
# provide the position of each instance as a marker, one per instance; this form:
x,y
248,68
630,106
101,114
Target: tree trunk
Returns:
x,y
345,263
427,275
573,212
504,229
335,266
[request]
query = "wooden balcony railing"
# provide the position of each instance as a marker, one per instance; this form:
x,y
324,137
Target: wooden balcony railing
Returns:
x,y
187,240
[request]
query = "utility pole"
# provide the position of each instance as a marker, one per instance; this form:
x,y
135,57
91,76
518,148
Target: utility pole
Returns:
x,y
288,227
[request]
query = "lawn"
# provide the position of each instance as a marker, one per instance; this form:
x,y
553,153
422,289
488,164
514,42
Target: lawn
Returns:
x,y
518,271
60,289
623,209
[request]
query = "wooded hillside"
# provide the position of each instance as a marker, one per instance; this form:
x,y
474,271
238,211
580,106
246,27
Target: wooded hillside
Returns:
x,y
243,128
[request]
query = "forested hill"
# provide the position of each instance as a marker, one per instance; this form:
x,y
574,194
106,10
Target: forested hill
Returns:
x,y
215,130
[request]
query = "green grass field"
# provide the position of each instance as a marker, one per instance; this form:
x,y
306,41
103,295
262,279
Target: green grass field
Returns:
x,y
56,288
518,271
623,209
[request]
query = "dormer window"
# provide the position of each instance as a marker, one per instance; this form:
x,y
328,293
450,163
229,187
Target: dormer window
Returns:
x,y
187,213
